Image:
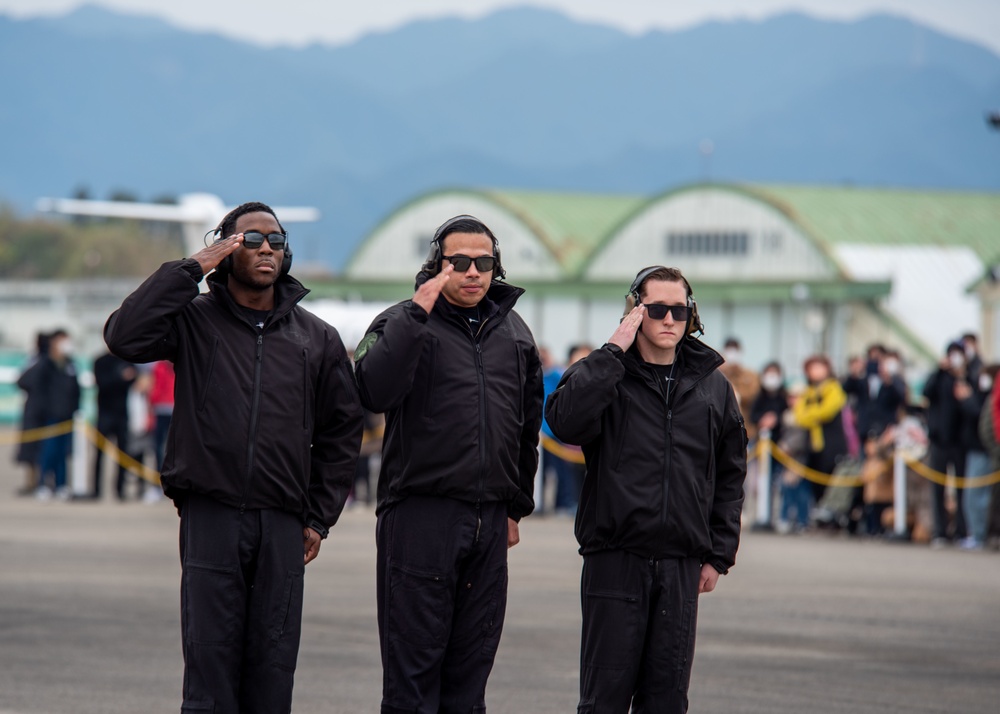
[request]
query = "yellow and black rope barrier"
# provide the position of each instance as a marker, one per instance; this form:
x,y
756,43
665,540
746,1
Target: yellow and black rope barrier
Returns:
x,y
560,450
918,467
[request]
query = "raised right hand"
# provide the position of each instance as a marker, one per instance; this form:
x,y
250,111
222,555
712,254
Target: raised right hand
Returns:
x,y
210,256
624,336
427,294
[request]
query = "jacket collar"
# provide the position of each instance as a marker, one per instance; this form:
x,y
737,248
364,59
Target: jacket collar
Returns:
x,y
695,361
499,300
287,293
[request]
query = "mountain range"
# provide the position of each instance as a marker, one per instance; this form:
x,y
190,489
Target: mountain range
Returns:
x,y
522,98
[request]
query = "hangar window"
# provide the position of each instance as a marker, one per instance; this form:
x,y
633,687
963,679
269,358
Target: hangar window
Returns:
x,y
708,243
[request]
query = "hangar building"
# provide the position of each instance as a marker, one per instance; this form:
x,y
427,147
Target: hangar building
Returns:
x,y
789,270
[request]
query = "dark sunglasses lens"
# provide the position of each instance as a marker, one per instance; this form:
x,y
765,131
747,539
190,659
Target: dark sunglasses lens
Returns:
x,y
254,239
659,312
484,263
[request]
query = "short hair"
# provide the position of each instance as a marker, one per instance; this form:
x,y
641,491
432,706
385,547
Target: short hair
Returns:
x,y
732,342
228,224
667,275
970,337
467,224
818,359
773,364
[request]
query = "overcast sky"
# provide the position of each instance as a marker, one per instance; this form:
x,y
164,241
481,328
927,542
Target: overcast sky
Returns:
x,y
338,21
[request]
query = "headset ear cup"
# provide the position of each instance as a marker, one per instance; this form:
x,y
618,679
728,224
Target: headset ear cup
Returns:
x,y
694,320
498,272
432,265
286,261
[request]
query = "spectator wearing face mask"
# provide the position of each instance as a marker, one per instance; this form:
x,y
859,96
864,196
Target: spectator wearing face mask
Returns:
x,y
745,381
59,393
942,392
768,414
876,390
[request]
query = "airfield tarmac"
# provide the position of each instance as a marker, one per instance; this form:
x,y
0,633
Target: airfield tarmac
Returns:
x,y
89,620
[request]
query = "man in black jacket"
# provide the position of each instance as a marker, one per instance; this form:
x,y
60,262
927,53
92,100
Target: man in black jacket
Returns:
x,y
458,376
260,455
659,519
114,378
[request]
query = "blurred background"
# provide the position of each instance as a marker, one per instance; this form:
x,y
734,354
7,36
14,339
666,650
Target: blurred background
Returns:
x,y
826,173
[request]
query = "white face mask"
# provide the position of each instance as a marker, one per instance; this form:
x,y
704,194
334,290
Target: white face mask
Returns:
x,y
771,381
970,351
892,366
956,360
985,383
732,355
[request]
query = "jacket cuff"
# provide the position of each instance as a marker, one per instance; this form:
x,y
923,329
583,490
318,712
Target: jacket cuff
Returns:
x,y
614,349
322,530
417,312
193,268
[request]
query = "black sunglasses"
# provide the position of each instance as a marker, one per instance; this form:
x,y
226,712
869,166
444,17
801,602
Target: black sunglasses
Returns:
x,y
484,263
255,239
656,311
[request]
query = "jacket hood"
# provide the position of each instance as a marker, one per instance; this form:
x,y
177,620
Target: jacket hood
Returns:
x,y
287,291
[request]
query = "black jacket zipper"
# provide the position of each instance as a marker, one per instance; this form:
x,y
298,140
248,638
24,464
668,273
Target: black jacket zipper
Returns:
x,y
254,416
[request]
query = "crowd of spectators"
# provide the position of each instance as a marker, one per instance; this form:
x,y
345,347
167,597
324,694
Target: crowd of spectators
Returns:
x,y
836,438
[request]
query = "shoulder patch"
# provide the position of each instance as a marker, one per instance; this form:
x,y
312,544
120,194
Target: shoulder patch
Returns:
x,y
366,342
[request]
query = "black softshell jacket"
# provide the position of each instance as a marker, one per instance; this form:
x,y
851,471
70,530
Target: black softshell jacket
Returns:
x,y
463,410
662,481
269,420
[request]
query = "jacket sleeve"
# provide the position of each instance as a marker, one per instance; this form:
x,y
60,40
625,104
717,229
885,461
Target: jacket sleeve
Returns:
x,y
143,328
387,357
527,466
336,441
730,472
573,411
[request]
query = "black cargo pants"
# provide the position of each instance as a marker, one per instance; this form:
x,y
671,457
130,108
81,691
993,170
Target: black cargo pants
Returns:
x,y
241,607
442,595
639,620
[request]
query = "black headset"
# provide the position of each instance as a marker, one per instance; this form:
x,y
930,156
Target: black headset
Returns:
x,y
694,323
432,266
226,266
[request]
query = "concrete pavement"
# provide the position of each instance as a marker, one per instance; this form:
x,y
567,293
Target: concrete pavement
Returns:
x,y
89,620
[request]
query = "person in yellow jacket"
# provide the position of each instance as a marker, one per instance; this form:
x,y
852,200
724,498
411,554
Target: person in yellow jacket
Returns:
x,y
819,410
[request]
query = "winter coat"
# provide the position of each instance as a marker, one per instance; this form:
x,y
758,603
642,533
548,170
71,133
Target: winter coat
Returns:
x,y
262,418
462,409
665,471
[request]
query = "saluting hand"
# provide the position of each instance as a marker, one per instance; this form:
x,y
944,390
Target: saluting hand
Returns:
x,y
427,294
210,256
625,334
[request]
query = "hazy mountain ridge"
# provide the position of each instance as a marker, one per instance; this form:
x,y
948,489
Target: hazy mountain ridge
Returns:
x,y
522,98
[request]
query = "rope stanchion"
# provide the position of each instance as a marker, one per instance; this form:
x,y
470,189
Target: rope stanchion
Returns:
x,y
562,451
